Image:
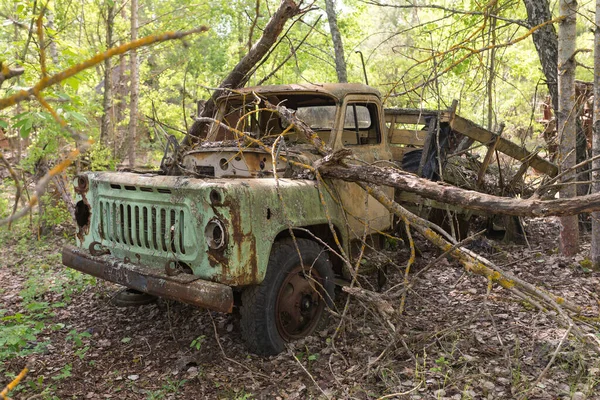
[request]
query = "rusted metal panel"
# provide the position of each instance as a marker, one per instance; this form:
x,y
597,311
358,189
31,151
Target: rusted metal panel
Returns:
x,y
184,287
337,90
154,219
231,162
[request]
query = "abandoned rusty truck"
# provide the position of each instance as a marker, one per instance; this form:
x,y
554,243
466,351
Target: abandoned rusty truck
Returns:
x,y
243,225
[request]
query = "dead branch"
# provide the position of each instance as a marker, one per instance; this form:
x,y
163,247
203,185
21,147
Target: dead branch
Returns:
x,y
8,73
15,178
480,266
472,262
468,199
239,75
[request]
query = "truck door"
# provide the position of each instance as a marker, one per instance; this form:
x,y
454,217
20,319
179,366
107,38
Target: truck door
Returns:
x,y
360,129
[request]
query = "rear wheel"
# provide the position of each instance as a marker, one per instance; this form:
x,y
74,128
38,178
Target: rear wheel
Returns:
x,y
289,302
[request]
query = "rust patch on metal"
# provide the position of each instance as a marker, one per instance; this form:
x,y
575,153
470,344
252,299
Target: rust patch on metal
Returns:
x,y
183,287
96,249
241,275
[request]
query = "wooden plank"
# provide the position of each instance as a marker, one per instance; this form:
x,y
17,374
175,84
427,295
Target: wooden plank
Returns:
x,y
504,146
488,156
408,136
416,116
392,128
410,119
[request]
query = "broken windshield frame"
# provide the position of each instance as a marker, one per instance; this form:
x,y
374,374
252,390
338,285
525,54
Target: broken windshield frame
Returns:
x,y
318,111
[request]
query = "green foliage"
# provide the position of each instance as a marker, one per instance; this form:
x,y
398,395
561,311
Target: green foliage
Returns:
x,y
20,331
404,50
64,373
18,334
76,337
101,158
197,343
170,388
54,213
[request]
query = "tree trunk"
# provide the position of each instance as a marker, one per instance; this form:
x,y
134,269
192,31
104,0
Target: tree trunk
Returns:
x,y
51,43
595,249
121,92
546,44
240,74
133,101
338,47
566,118
105,123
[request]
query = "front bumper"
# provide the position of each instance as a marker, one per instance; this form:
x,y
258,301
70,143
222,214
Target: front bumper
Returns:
x,y
183,287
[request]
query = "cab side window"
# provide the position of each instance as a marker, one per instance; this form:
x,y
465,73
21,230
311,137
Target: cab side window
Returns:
x,y
361,125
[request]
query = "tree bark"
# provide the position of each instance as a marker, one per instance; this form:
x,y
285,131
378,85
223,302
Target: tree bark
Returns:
x,y
240,74
595,248
467,199
566,118
133,101
51,43
546,44
105,123
338,47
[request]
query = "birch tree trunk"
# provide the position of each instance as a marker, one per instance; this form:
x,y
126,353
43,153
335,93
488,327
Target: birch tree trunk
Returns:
x,y
566,118
105,123
338,47
133,101
546,43
595,250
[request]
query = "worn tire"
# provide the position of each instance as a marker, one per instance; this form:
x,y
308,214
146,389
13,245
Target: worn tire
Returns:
x,y
132,298
265,317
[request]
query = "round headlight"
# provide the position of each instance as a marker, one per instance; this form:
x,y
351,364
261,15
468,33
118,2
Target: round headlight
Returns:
x,y
215,234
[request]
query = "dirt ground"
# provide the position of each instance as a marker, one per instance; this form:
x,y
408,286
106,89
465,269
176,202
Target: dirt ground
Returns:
x,y
453,341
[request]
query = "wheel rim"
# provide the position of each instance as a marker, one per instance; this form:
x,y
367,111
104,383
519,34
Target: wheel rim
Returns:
x,y
299,304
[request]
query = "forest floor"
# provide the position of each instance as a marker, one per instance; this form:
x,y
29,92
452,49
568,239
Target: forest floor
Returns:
x,y
453,341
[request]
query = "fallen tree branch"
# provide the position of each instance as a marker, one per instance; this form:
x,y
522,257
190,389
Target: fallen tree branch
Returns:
x,y
480,266
239,75
468,199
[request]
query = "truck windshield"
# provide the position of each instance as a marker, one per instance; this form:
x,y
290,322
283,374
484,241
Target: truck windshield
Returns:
x,y
317,117
318,111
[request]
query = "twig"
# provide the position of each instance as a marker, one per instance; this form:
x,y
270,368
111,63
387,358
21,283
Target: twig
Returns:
x,y
388,396
225,355
14,383
539,378
307,373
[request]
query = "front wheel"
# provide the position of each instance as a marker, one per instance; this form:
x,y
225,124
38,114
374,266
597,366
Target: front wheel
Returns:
x,y
288,304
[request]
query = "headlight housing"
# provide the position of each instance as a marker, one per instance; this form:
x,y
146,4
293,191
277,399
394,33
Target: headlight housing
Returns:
x,y
215,234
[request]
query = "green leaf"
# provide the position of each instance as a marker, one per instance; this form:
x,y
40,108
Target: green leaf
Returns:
x,y
24,131
3,124
126,340
79,117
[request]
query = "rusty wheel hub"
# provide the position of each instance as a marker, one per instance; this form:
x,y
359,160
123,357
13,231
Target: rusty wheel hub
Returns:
x,y
299,304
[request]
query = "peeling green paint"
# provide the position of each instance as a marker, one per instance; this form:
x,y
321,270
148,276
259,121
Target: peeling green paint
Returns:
x,y
127,209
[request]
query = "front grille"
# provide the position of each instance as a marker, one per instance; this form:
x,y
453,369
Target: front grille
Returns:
x,y
157,228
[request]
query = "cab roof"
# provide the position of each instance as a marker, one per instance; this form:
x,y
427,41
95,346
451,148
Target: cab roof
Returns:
x,y
336,90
